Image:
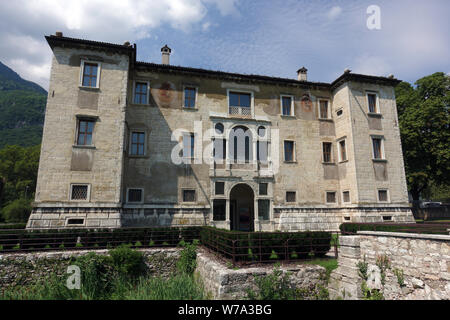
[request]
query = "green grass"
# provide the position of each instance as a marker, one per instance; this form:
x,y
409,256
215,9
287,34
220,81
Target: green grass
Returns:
x,y
328,264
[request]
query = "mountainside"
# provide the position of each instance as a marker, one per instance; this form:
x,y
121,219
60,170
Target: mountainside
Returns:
x,y
22,108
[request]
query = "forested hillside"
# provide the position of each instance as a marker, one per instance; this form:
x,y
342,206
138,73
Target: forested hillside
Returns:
x,y
22,107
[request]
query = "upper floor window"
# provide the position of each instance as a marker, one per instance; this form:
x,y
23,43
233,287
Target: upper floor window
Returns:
x,y
287,108
141,92
240,103
137,143
342,151
377,143
188,145
85,130
331,197
372,102
324,109
240,144
383,195
326,146
90,72
189,97
289,151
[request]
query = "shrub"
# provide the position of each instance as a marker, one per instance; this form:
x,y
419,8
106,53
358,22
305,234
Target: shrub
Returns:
x,y
274,286
187,261
128,262
17,211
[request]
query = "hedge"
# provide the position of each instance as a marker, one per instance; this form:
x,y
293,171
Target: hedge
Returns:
x,y
434,228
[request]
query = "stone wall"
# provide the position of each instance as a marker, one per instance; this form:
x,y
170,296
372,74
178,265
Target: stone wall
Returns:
x,y
418,266
225,283
27,268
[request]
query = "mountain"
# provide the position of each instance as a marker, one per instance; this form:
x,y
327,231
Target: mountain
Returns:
x,y
22,108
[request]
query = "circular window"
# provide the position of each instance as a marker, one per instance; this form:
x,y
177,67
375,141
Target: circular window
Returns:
x,y
219,128
261,131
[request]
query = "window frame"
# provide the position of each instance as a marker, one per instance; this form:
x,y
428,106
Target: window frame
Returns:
x,y
377,102
349,197
99,68
382,152
294,158
188,189
292,113
335,197
340,150
286,196
329,117
80,118
331,152
135,202
184,97
131,143
388,197
134,92
252,100
88,194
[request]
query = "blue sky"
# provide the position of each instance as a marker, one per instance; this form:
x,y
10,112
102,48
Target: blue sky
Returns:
x,y
272,38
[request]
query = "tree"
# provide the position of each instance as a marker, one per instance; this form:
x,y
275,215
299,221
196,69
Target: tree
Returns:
x,y
424,121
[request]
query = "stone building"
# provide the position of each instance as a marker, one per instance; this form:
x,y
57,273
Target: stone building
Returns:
x,y
130,143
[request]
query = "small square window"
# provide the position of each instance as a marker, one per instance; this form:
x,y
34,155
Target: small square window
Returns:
x,y
135,195
346,196
188,195
263,189
339,112
141,93
382,195
289,151
331,197
189,97
79,192
220,188
290,196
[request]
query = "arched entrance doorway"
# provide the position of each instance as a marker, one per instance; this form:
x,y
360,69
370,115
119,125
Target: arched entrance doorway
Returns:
x,y
242,208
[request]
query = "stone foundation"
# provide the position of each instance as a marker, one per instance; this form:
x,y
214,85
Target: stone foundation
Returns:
x,y
224,283
419,266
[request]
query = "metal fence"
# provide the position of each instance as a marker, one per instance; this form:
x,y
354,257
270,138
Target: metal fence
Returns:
x,y
264,247
19,240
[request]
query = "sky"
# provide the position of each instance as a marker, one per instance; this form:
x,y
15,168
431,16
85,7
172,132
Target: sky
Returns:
x,y
264,37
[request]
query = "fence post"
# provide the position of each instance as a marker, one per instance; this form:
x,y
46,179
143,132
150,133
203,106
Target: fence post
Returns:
x,y
260,253
233,255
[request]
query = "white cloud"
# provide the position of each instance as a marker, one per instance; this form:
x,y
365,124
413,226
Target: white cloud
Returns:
x,y
23,24
334,12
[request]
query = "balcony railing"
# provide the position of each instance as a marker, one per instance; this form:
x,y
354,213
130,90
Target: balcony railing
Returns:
x,y
243,112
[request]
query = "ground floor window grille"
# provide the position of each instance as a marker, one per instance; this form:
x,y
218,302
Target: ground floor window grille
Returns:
x,y
331,197
134,195
79,192
290,196
263,209
188,195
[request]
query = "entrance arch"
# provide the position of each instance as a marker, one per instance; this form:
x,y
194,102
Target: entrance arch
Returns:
x,y
242,208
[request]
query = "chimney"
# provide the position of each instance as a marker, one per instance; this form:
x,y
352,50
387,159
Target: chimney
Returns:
x,y
58,34
165,51
302,74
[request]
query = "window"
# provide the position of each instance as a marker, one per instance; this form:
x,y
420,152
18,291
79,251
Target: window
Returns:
x,y
141,93
75,222
289,151
287,108
261,151
219,150
219,128
240,144
219,213
85,130
90,74
290,196
372,102
331,197
79,192
220,188
137,143
263,209
188,195
189,97
326,146
383,195
324,112
263,189
339,112
377,148
346,196
342,151
135,195
188,145
238,99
